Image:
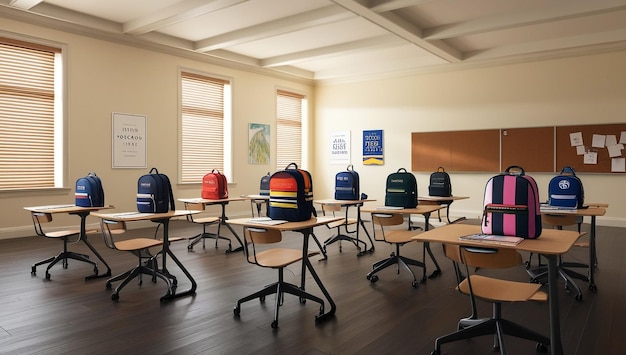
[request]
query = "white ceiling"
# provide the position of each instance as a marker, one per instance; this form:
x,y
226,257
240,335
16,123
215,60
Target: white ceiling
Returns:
x,y
345,39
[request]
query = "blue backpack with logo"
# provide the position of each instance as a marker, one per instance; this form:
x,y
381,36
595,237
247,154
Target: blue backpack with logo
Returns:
x,y
154,193
89,191
347,184
566,190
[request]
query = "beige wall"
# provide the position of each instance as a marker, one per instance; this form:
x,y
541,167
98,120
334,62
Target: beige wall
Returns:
x,y
581,90
105,77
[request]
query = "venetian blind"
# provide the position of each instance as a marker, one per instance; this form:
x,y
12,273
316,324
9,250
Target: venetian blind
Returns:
x,y
288,129
202,108
26,115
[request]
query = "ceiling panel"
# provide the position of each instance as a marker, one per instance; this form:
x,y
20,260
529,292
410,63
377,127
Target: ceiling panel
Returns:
x,y
344,39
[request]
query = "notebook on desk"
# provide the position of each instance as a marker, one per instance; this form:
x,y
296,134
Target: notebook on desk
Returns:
x,y
493,239
266,221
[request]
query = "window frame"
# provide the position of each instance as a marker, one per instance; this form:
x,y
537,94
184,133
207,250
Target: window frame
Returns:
x,y
227,124
60,114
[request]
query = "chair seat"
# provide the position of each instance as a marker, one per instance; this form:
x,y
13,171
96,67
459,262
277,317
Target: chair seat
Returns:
x,y
62,234
203,220
342,222
503,290
400,236
279,257
137,244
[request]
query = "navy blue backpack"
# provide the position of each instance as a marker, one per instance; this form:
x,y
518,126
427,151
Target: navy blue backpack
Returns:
x,y
401,189
566,190
154,193
89,191
264,185
347,184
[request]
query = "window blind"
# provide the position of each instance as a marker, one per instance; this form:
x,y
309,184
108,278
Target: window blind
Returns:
x,y
288,129
202,110
26,115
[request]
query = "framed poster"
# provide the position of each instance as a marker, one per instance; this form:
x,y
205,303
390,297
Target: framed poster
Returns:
x,y
128,140
340,147
373,147
258,143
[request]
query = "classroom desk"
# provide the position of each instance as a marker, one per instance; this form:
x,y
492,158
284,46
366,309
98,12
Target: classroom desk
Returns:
x,y
164,219
446,201
424,210
223,219
82,212
550,244
306,228
592,211
258,201
347,204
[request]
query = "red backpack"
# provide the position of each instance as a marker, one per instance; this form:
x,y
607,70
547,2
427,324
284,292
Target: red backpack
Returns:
x,y
214,186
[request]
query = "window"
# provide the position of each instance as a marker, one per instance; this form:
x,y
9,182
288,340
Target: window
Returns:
x,y
31,122
206,127
290,108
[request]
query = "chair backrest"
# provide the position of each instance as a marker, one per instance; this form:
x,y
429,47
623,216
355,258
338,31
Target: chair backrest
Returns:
x,y
331,208
452,252
387,219
560,220
489,258
193,206
109,228
263,236
40,218
255,236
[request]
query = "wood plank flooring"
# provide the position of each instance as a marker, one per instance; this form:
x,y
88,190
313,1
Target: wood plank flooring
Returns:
x,y
68,315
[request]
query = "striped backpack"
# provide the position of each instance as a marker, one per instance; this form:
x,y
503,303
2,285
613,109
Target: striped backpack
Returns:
x,y
291,194
89,191
511,205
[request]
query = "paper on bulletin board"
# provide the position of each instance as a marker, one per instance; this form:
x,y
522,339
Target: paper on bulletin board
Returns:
x,y
340,147
591,158
618,165
576,139
129,138
615,150
598,141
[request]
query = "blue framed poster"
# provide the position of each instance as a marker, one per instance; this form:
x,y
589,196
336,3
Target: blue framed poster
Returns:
x,y
373,147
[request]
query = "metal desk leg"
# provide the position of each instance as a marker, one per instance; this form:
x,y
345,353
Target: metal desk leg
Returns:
x,y
83,237
306,265
556,347
437,271
171,293
592,254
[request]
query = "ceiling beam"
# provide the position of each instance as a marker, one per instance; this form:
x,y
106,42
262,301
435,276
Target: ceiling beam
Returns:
x,y
331,51
301,21
176,13
399,27
379,6
502,22
25,4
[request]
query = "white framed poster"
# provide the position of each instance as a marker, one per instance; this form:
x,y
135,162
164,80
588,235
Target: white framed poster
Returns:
x,y
128,140
340,147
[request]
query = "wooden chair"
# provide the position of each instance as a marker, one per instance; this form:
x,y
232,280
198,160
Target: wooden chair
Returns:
x,y
397,238
205,221
539,274
332,210
140,247
70,236
274,258
497,292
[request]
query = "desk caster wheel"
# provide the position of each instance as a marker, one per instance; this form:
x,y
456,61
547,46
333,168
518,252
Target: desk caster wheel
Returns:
x,y
47,275
579,297
236,311
415,284
372,278
541,348
107,285
593,287
33,270
274,324
115,297
262,299
434,352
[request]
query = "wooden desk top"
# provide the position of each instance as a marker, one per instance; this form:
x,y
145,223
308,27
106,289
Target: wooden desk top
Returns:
x,y
211,202
440,198
65,208
420,209
592,211
255,197
332,201
288,226
139,216
551,241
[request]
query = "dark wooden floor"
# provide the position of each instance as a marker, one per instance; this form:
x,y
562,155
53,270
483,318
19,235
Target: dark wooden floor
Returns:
x,y
68,315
